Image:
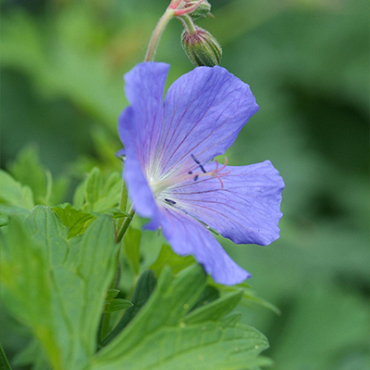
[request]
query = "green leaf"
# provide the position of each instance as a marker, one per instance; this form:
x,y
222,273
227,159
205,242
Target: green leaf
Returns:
x,y
214,310
96,194
111,294
249,297
161,338
209,295
131,244
12,193
32,354
76,220
168,258
143,291
93,187
66,278
28,170
117,305
4,364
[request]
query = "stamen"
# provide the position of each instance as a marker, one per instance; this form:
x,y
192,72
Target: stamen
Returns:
x,y
170,201
190,172
196,177
216,172
198,163
194,159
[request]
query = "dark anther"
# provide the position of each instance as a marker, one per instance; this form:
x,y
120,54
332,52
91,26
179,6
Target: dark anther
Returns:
x,y
170,201
196,177
198,163
194,159
190,172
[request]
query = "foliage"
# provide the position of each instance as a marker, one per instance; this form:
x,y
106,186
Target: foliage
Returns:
x,y
306,62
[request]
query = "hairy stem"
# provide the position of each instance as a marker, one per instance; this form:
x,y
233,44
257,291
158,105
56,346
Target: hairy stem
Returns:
x,y
157,33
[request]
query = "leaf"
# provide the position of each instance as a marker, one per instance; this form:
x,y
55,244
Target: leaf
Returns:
x,y
111,294
4,364
131,244
143,290
76,220
214,310
160,338
28,170
93,187
169,258
209,295
12,193
117,305
66,278
96,194
248,297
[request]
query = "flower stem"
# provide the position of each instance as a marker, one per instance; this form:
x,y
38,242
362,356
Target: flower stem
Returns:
x,y
188,23
126,223
157,33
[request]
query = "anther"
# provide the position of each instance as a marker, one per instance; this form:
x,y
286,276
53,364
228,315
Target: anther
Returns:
x,y
196,177
194,159
198,163
170,201
190,172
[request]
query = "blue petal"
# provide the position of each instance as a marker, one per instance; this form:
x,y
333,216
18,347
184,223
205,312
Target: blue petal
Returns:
x,y
245,210
138,188
187,236
204,111
144,86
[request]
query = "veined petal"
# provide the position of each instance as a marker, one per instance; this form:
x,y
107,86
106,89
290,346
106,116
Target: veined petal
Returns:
x,y
144,86
242,204
204,111
188,236
137,184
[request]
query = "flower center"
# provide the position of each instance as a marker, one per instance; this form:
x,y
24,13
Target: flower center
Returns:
x,y
187,174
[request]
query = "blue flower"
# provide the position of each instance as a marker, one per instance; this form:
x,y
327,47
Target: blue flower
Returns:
x,y
170,172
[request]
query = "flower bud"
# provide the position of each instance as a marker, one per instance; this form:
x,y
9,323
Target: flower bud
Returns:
x,y
201,47
203,9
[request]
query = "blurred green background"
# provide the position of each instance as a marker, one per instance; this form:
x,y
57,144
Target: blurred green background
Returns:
x,y
307,62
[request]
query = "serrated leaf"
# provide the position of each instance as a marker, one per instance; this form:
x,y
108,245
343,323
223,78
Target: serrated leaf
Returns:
x,y
67,278
117,305
28,170
209,295
76,220
97,194
160,339
248,298
214,310
12,193
169,258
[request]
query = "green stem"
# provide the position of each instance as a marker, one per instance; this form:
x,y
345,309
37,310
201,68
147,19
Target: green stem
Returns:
x,y
157,33
188,23
126,223
4,364
123,202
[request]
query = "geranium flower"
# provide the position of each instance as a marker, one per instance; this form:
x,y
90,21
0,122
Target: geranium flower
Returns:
x,y
170,173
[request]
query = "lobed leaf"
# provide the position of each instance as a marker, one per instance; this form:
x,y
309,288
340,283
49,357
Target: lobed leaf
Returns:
x,y
56,285
166,334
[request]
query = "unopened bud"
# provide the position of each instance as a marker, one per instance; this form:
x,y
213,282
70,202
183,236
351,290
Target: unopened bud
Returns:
x,y
201,47
203,9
